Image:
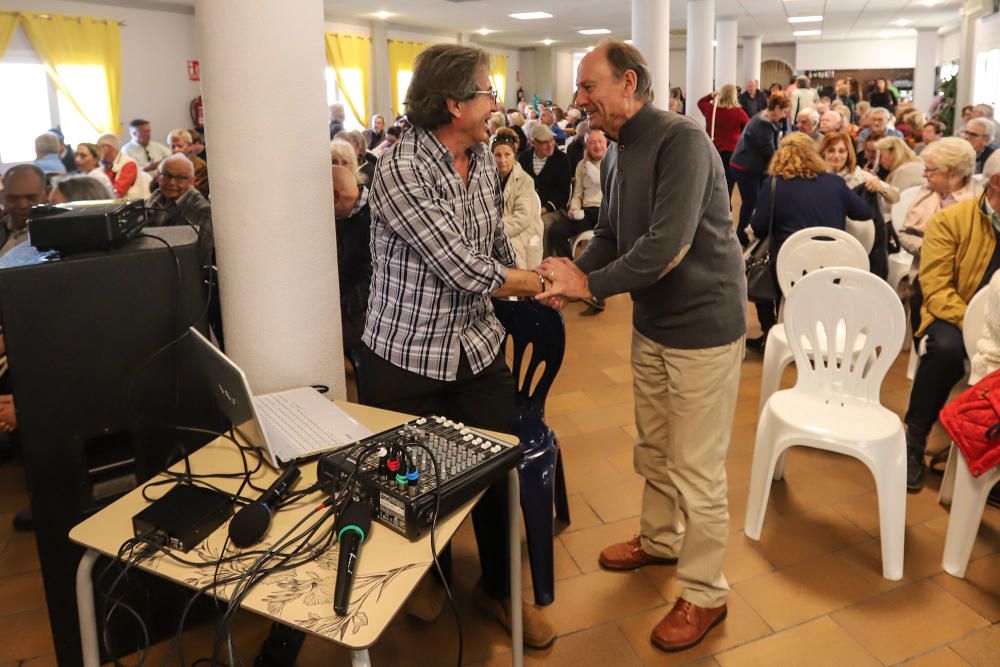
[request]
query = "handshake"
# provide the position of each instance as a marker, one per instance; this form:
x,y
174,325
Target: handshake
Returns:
x,y
564,282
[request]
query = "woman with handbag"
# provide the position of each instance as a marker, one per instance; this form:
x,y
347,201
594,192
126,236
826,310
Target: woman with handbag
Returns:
x,y
799,193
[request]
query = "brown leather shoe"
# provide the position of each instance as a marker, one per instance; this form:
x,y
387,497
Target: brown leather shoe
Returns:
x,y
630,555
686,625
538,631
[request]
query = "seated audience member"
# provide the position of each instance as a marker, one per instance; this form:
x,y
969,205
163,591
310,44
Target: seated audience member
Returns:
x,y
66,154
343,154
88,162
375,134
177,202
577,147
354,257
585,203
724,123
981,132
807,122
983,111
959,256
146,152
880,119
357,140
77,188
24,186
337,117
47,154
550,169
180,142
495,122
753,100
805,195
872,159
198,145
929,133
905,171
548,119
831,121
392,135
522,217
986,360
121,170
837,150
515,121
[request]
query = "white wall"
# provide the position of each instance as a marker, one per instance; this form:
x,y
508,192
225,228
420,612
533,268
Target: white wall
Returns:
x,y
988,33
856,54
949,46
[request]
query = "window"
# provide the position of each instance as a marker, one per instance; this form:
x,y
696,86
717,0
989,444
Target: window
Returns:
x,y
403,78
352,79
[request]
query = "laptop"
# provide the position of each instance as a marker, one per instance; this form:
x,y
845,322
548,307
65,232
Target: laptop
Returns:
x,y
286,426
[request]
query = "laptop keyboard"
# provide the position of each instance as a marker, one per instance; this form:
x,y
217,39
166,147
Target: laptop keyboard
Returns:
x,y
301,433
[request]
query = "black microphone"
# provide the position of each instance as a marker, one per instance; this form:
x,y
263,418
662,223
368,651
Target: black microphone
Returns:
x,y
353,526
251,523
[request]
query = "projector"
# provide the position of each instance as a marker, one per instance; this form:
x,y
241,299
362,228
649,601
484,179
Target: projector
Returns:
x,y
84,225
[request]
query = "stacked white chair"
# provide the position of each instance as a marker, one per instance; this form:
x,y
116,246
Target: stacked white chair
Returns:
x,y
580,239
967,494
834,404
804,251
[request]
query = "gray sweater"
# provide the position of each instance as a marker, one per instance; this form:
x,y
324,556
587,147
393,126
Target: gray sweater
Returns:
x,y
665,234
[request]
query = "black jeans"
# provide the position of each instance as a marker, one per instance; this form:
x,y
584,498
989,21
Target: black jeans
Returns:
x,y
749,184
767,314
564,229
730,180
916,302
940,368
482,400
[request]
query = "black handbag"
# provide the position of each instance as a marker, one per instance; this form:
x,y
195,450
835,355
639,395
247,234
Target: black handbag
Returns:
x,y
762,280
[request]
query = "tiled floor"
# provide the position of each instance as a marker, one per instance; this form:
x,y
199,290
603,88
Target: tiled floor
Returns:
x,y
810,593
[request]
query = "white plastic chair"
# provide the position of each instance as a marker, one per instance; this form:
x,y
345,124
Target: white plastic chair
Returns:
x,y
900,262
806,250
834,404
967,494
863,231
582,237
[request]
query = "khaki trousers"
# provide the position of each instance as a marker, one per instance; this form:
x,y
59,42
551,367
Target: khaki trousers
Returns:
x,y
685,401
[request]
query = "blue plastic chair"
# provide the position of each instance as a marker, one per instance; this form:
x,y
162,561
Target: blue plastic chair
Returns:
x,y
543,484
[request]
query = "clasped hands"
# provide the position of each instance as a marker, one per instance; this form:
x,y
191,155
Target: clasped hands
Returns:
x,y
564,281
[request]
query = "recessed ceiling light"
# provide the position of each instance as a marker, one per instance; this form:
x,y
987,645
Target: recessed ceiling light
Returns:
x,y
530,16
485,31
902,22
804,19
594,31
807,33
929,3
548,42
383,15
628,41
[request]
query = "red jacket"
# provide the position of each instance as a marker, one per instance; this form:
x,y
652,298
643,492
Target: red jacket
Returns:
x,y
729,123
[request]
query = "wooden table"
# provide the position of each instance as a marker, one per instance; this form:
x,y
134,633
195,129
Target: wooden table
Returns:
x,y
389,567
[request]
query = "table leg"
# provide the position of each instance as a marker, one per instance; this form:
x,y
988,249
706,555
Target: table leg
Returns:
x,y
85,609
514,538
361,659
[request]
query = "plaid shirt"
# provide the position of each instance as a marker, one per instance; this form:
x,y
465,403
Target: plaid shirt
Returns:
x,y
438,250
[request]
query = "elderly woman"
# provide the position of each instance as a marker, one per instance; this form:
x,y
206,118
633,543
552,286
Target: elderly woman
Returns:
x,y
522,218
905,170
78,188
515,121
88,161
802,193
344,154
725,122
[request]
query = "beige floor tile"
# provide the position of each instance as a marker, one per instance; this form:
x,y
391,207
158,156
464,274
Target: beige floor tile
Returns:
x,y
584,473
585,545
599,597
988,539
942,657
788,540
597,647
621,374
863,510
610,394
909,621
985,604
742,625
801,492
922,551
617,501
563,564
25,635
617,415
981,648
18,557
43,661
819,643
22,592
564,404
581,515
804,591
744,559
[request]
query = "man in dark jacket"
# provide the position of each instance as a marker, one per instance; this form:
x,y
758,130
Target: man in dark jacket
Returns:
x,y
354,257
753,99
550,169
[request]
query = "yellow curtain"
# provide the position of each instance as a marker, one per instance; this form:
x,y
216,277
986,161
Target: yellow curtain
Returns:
x,y
8,24
498,77
401,57
350,56
83,57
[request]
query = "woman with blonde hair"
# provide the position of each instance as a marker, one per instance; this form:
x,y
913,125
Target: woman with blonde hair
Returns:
x,y
343,153
905,171
725,120
799,192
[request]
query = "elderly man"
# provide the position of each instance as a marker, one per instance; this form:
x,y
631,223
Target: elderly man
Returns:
x,y
337,116
146,152
753,99
550,169
121,170
665,235
548,119
177,202
585,204
981,132
831,121
880,118
47,148
960,253
354,257
24,186
807,122
432,343
180,141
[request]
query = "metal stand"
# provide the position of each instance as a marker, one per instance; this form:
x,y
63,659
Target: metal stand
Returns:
x,y
85,609
514,539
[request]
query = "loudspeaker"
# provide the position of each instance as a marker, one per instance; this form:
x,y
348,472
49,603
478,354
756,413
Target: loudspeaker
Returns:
x,y
95,390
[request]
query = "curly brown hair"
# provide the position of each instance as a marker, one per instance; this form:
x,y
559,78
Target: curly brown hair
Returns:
x,y
797,158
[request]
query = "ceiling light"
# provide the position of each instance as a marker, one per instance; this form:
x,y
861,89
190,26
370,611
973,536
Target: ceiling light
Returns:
x,y
548,42
595,31
530,16
485,31
807,33
902,22
929,3
628,41
383,15
804,19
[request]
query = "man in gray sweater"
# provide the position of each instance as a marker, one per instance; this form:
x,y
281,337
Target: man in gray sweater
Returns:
x,y
665,235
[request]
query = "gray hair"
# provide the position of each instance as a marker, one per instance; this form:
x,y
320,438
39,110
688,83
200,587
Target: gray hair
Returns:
x,y
111,140
177,157
623,57
989,127
838,116
180,134
883,111
47,144
983,111
951,153
344,150
441,73
992,166
337,112
811,113
16,170
82,188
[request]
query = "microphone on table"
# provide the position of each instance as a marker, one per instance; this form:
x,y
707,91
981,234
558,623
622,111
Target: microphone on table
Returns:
x,y
353,526
250,524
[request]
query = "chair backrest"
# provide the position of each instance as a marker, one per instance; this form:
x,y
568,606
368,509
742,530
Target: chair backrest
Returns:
x,y
863,231
975,320
902,207
531,323
817,248
857,303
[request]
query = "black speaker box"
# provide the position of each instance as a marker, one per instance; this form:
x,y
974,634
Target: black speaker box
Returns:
x,y
95,403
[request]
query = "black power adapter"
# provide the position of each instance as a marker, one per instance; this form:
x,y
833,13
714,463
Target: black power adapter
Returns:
x,y
183,517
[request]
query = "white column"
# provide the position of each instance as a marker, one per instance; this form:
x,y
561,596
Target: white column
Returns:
x,y
923,72
650,34
966,66
263,80
726,32
380,84
700,54
751,59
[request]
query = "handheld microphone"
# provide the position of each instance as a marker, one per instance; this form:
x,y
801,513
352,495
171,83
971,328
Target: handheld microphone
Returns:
x,y
353,526
251,522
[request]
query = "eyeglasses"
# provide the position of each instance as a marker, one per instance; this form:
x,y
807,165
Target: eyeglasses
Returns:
x,y
491,92
966,133
167,176
930,170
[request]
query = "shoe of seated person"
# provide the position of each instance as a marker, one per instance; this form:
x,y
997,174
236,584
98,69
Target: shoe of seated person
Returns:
x,y
757,343
427,600
914,470
538,631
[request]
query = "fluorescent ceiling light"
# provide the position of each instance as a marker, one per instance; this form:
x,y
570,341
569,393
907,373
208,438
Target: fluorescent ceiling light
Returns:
x,y
628,41
902,22
929,3
595,31
548,42
383,15
485,31
807,33
529,16
804,19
